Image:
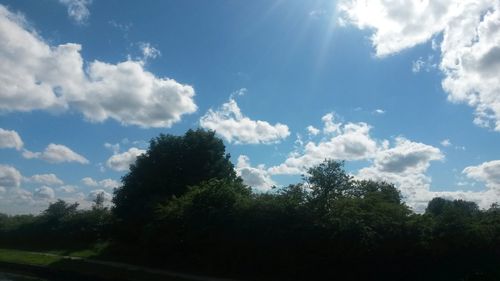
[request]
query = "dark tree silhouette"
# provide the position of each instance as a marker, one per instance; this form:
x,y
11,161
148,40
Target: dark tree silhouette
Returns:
x,y
165,171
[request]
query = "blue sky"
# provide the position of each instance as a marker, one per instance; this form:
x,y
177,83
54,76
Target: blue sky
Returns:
x,y
406,93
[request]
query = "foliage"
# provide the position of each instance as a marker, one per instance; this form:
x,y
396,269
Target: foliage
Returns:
x,y
183,206
165,171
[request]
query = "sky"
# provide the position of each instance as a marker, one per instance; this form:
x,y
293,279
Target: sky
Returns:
x,y
405,91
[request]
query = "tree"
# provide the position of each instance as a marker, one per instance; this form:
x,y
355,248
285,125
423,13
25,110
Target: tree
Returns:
x,y
436,206
328,182
58,211
165,171
98,202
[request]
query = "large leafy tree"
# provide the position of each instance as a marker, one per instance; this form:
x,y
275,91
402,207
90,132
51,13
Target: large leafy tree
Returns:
x,y
166,170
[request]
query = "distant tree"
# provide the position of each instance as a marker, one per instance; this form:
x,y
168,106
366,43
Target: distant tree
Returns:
x,y
382,191
436,206
58,211
98,202
171,164
328,181
460,208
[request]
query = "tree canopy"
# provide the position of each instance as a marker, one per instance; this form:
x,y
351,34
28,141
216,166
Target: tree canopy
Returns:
x,y
183,206
166,170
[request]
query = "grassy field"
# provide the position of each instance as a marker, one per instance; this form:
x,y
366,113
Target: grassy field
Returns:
x,y
25,257
67,263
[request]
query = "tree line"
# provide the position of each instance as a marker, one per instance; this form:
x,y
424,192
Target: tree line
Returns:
x,y
182,206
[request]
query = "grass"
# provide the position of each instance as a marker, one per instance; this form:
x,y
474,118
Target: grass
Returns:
x,y
24,257
57,260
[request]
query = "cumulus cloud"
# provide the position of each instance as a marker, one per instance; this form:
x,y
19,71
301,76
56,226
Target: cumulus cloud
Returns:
x,y
398,25
471,61
115,148
406,156
105,183
312,130
406,165
403,163
88,181
13,198
46,179
10,177
255,177
232,125
44,193
351,141
330,126
68,188
37,76
121,161
77,9
56,153
10,139
487,172
470,52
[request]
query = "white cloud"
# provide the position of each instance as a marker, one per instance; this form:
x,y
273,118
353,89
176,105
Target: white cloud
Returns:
x,y
56,153
471,62
470,49
109,183
232,125
398,25
487,172
329,124
46,179
44,193
352,142
405,165
10,139
148,51
445,142
406,156
105,183
67,188
379,111
13,199
88,181
127,93
255,177
37,76
115,148
312,130
10,177
121,162
77,9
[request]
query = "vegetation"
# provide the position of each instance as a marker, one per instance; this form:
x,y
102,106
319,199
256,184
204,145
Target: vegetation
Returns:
x,y
182,206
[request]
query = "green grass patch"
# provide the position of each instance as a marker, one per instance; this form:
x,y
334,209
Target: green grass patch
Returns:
x,y
55,260
24,257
